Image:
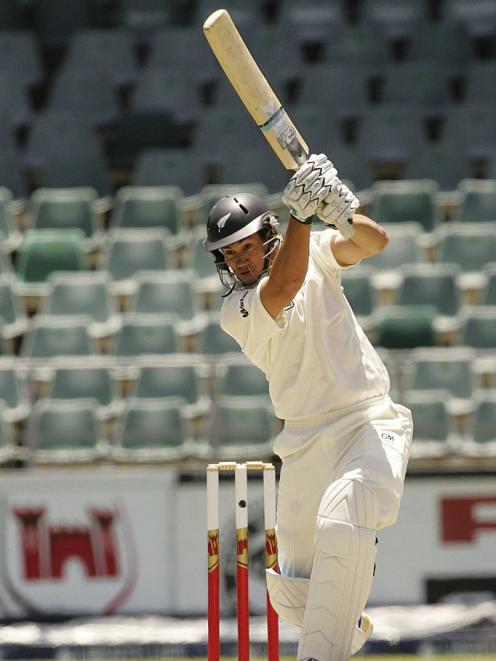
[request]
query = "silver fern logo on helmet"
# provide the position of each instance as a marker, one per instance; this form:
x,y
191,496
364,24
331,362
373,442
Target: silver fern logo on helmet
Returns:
x,y
222,221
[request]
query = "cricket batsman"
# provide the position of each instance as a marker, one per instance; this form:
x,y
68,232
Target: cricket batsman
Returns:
x,y
344,446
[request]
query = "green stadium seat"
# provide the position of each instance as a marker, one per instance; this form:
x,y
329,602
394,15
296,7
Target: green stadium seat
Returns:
x,y
9,234
14,392
151,431
169,167
199,261
448,371
243,429
88,381
129,251
406,201
142,335
481,440
66,432
170,293
67,208
432,431
52,337
83,295
477,201
214,341
489,293
9,452
404,327
143,207
471,248
478,329
243,380
12,312
164,382
359,291
44,251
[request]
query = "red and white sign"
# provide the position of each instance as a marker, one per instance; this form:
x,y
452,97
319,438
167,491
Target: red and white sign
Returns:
x,y
87,542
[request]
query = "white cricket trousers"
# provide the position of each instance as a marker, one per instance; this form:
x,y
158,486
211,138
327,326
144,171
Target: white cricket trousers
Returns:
x,y
375,453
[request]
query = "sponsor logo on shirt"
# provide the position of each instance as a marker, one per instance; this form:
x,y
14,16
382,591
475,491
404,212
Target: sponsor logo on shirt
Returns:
x,y
243,311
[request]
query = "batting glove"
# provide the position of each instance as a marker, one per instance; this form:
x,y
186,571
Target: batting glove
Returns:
x,y
339,207
309,187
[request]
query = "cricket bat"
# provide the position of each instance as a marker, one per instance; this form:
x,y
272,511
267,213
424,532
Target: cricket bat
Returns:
x,y
254,90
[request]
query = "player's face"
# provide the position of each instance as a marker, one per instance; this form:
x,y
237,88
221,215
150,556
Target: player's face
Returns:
x,y
246,258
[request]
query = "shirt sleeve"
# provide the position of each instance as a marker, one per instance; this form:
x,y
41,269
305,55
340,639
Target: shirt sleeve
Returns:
x,y
244,317
322,251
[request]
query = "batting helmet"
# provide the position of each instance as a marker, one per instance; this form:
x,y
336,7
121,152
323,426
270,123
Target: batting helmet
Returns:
x,y
234,218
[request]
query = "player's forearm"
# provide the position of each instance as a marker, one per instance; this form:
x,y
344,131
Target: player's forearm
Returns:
x,y
368,235
291,263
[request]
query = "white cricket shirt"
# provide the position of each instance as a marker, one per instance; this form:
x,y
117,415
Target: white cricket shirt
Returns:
x,y
319,362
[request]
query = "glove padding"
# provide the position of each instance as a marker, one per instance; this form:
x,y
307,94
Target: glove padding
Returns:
x,y
309,187
338,208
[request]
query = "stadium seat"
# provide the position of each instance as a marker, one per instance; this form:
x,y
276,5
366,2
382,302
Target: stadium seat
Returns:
x,y
160,89
150,431
83,295
56,22
444,162
404,247
310,26
57,131
449,371
84,93
256,165
44,251
67,208
359,291
469,130
12,312
406,201
136,131
66,432
478,16
199,261
405,327
433,284
432,91
52,337
85,168
143,207
181,49
388,136
477,201
12,172
163,382
446,43
169,167
489,293
243,380
214,341
480,82
129,251
171,294
432,436
478,328
470,247
358,44
145,334
481,440
243,429
350,79
11,15
88,381
10,236
19,53
14,393
397,19
9,452
107,51
14,106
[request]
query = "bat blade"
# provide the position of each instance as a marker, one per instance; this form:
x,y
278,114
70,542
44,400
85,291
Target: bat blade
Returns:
x,y
254,91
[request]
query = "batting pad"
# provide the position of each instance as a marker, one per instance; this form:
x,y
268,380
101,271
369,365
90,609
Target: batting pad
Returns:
x,y
288,596
342,570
